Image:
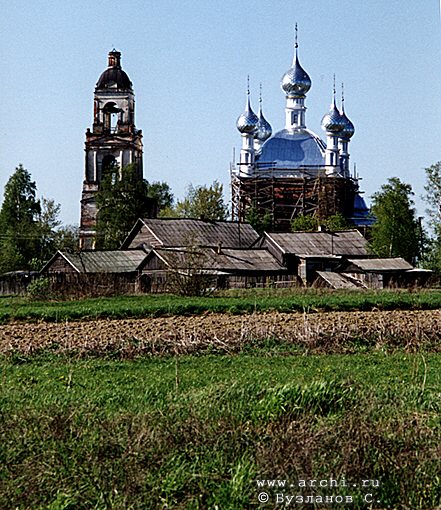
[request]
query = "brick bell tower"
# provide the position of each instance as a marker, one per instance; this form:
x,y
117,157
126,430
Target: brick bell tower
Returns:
x,y
114,140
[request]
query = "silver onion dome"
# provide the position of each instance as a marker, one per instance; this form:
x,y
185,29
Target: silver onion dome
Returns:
x,y
333,122
295,82
247,122
348,128
263,128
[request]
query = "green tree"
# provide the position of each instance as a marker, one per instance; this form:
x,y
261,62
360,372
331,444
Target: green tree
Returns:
x,y
432,246
202,202
395,232
305,223
337,222
19,217
161,193
260,222
121,200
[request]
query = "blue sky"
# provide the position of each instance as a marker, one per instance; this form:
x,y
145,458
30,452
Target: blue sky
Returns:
x,y
188,61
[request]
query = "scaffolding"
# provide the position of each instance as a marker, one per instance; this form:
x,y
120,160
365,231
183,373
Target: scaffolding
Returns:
x,y
280,196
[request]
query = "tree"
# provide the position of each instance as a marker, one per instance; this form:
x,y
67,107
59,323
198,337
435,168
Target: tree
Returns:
x,y
19,216
305,223
395,232
432,245
260,222
161,193
308,223
433,196
121,200
202,202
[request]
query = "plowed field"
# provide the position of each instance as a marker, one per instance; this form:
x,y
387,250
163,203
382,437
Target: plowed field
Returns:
x,y
316,332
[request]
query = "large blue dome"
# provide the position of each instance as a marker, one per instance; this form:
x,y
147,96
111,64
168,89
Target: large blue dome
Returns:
x,y
290,150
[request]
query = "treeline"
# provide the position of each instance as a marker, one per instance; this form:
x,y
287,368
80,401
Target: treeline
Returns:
x,y
31,230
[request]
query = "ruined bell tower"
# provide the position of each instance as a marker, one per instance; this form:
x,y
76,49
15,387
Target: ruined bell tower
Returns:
x,y
113,141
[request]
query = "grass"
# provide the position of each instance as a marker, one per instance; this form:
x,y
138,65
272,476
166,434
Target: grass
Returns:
x,y
287,300
196,432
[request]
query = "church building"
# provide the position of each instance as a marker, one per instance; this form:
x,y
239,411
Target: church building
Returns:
x,y
294,172
113,141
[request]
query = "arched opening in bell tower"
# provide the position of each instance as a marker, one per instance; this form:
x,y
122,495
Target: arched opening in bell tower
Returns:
x,y
110,117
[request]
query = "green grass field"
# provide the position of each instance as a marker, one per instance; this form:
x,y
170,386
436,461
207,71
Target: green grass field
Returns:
x,y
197,432
285,300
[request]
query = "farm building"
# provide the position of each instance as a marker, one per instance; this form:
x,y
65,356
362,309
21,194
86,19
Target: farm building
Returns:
x,y
174,233
306,253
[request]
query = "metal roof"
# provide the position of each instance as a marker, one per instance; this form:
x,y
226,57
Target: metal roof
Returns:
x,y
184,232
345,242
293,149
228,260
374,265
104,261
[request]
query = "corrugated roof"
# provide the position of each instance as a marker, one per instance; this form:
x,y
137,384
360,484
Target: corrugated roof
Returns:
x,y
229,260
390,264
184,232
106,261
346,243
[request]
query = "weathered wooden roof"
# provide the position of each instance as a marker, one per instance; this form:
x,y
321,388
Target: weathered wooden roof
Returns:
x,y
337,280
125,261
380,265
229,260
345,243
186,232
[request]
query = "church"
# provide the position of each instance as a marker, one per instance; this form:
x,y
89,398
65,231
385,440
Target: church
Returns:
x,y
294,172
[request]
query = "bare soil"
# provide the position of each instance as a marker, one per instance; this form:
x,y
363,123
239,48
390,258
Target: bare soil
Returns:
x,y
315,332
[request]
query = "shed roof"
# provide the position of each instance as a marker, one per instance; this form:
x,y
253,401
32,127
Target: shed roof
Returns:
x,y
101,261
381,265
182,232
228,260
345,242
337,280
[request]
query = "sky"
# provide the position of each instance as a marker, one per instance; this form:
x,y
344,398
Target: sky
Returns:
x,y
188,61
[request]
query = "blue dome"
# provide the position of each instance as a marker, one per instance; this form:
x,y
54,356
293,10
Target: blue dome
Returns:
x,y
362,215
289,149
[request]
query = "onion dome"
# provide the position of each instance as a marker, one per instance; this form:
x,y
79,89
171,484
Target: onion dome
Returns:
x,y
247,122
296,81
348,128
263,128
114,77
332,122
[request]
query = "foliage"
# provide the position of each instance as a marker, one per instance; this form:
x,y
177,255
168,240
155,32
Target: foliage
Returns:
x,y
337,222
39,289
122,198
198,431
433,196
19,216
395,232
432,246
305,223
309,223
202,202
161,193
260,222
186,274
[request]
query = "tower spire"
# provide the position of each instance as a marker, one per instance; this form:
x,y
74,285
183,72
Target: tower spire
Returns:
x,y
342,98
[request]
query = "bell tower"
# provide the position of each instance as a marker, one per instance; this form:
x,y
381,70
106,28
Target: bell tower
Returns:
x,y
113,141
